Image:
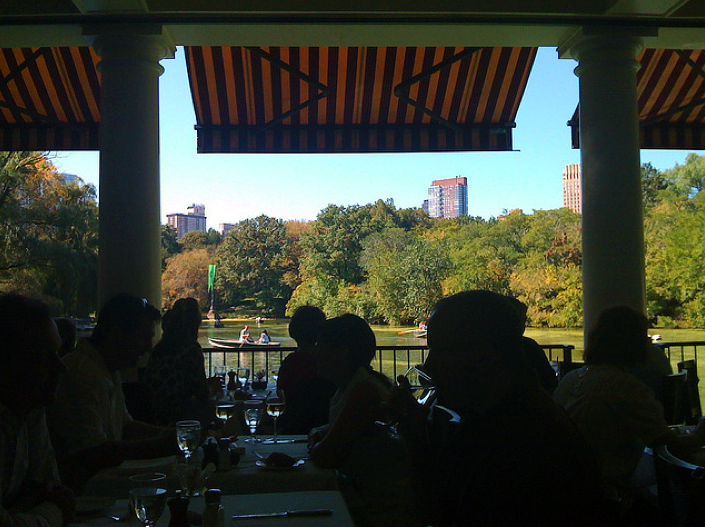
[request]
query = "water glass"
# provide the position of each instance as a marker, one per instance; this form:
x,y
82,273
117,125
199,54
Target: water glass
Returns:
x,y
188,436
148,496
253,415
275,408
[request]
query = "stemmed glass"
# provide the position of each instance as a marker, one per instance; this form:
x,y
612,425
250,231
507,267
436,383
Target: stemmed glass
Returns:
x,y
253,414
148,496
188,436
243,374
275,408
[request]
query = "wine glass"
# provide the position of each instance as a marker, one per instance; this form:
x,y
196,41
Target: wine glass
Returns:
x,y
275,408
224,411
422,385
188,436
253,414
148,496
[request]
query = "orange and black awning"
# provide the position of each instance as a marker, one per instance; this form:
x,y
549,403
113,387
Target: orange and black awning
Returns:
x,y
49,99
361,99
671,96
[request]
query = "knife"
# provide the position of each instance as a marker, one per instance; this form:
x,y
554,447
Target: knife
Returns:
x,y
285,514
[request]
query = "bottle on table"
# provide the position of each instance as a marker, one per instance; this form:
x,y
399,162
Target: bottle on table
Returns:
x,y
213,513
178,510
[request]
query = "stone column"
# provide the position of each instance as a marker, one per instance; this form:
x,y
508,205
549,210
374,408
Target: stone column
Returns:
x,y
129,228
612,210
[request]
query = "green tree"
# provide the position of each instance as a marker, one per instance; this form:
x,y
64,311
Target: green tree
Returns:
x,y
170,244
48,233
253,261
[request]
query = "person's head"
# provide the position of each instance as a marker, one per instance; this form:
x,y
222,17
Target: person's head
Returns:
x,y
124,330
29,364
344,344
183,321
67,332
618,337
304,325
474,341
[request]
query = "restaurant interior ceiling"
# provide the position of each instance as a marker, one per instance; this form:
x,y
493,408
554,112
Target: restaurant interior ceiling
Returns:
x,y
354,76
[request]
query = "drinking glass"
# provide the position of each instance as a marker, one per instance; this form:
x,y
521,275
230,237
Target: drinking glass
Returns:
x,y
148,496
224,411
253,414
422,385
243,374
275,408
188,436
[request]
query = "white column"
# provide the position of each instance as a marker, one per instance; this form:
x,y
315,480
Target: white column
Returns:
x,y
612,213
129,229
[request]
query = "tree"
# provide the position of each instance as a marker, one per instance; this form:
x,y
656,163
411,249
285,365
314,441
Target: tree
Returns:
x,y
48,233
170,244
253,261
186,275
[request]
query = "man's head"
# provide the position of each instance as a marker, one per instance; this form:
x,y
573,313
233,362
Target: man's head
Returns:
x,y
29,364
124,330
474,340
304,325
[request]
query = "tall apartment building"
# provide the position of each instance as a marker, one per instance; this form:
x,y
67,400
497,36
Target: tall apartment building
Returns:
x,y
194,220
572,183
225,228
448,198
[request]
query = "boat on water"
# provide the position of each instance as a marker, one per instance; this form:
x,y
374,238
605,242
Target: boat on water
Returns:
x,y
237,343
420,333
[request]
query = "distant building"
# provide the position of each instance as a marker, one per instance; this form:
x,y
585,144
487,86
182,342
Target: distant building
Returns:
x,y
225,228
572,183
70,178
194,220
448,198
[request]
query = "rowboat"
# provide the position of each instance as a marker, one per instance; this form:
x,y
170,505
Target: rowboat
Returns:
x,y
420,333
237,343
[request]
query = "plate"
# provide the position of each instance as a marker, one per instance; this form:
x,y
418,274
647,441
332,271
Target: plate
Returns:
x,y
261,464
92,504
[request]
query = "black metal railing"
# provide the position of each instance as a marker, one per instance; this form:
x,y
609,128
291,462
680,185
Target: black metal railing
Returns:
x,y
682,351
389,360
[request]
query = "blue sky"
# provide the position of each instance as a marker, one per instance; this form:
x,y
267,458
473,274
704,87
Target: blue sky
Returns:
x,y
299,186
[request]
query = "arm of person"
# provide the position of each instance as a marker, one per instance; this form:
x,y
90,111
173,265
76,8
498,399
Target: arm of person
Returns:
x,y
681,445
358,415
412,416
112,453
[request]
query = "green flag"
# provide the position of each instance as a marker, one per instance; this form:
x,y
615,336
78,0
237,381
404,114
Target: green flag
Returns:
x,y
211,276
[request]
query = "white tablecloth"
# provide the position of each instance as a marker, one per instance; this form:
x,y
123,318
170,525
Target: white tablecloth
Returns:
x,y
248,504
245,478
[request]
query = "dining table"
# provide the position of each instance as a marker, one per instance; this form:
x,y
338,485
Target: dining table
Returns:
x,y
115,513
249,476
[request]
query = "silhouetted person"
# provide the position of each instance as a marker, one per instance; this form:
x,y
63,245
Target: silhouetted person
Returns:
x,y
307,394
67,332
533,353
175,373
30,493
372,464
90,425
617,413
496,450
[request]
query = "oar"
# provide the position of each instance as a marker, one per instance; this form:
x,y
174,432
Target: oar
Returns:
x,y
406,331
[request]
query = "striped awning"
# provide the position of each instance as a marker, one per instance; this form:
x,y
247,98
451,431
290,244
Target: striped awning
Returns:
x,y
49,99
359,99
671,95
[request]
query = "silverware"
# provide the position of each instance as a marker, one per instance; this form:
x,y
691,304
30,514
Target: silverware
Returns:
x,y
285,514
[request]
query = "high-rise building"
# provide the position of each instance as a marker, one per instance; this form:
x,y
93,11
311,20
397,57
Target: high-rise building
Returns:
x,y
225,228
448,198
572,183
194,220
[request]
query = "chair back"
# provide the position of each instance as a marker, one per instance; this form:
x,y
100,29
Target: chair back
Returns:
x,y
564,368
692,408
681,488
673,398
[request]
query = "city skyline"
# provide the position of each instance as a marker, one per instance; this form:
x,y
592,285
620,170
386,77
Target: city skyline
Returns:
x,y
235,187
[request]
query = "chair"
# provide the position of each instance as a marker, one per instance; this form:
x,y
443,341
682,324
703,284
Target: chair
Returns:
x,y
564,368
673,393
681,488
692,410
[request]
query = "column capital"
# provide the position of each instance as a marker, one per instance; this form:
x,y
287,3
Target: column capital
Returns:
x,y
590,41
145,42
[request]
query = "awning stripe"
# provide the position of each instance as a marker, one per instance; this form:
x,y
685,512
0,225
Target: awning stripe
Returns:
x,y
240,93
49,99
